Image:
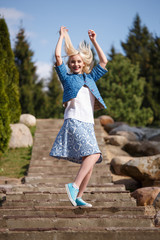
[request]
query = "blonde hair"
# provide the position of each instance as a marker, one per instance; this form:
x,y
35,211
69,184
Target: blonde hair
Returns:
x,y
84,51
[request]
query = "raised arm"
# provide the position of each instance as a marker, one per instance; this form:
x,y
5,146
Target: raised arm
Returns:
x,y
59,46
102,58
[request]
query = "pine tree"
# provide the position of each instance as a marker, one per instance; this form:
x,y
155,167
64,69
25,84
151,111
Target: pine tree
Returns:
x,y
32,97
41,104
26,68
55,96
142,48
12,77
4,104
153,77
123,92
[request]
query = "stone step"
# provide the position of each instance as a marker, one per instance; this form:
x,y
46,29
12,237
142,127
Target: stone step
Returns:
x,y
110,233
56,221
59,188
65,179
94,195
61,163
70,210
60,174
69,174
107,203
101,169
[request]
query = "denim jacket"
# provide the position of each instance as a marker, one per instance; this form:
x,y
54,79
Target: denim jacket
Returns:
x,y
72,83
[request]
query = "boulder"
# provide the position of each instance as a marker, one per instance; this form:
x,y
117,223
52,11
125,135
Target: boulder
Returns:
x,y
144,169
145,196
157,219
114,151
129,135
155,137
110,126
117,162
157,201
125,128
143,148
28,119
116,140
152,133
104,120
20,136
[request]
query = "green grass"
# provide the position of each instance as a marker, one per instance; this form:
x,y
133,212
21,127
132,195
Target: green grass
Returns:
x,y
15,162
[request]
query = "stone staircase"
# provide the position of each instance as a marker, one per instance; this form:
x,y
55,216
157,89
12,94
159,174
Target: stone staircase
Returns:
x,y
39,208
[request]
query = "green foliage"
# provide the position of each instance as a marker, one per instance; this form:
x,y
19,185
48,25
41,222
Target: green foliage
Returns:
x,y
26,68
123,92
141,47
12,77
55,107
4,113
32,97
40,101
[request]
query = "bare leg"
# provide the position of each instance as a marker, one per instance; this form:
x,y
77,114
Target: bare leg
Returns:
x,y
85,183
85,168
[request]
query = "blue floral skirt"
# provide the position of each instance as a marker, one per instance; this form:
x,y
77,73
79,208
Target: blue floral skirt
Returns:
x,y
75,140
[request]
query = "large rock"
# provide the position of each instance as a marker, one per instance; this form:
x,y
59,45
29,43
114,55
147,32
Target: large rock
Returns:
x,y
118,162
110,126
144,169
21,136
157,219
129,135
152,133
142,148
114,151
157,201
155,137
124,127
116,140
104,120
28,119
146,196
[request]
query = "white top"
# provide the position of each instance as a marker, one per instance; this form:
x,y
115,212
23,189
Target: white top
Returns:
x,y
81,107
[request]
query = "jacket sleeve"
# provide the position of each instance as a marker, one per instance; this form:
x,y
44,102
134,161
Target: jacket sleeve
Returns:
x,y
97,72
62,72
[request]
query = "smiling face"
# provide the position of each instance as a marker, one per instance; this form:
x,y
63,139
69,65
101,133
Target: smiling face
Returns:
x,y
76,64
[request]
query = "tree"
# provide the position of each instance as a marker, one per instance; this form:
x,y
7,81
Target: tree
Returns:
x,y
55,108
4,103
143,49
32,97
123,92
12,77
41,103
138,44
153,77
26,68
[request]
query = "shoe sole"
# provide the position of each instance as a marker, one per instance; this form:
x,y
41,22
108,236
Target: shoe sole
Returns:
x,y
84,206
69,196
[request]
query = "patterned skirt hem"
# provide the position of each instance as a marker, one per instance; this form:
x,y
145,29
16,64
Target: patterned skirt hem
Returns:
x,y
79,161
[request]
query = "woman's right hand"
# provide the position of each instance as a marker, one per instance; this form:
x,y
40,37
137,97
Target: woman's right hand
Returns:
x,y
62,31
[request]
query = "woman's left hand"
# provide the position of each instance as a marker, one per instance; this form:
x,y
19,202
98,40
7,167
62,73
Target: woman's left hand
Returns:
x,y
92,35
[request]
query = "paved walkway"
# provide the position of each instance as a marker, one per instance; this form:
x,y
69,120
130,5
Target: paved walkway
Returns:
x,y
40,209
